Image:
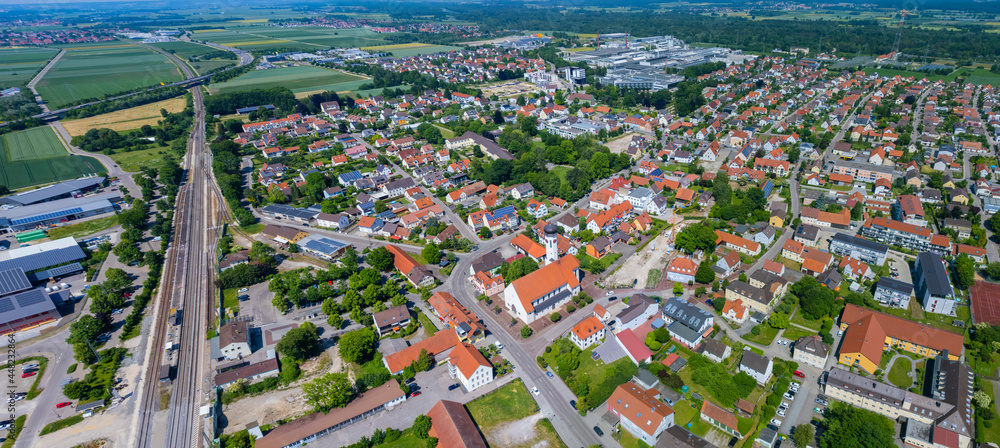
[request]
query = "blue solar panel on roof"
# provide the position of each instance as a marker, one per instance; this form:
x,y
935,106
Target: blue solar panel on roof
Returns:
x,y
6,305
45,216
65,269
45,259
29,298
13,280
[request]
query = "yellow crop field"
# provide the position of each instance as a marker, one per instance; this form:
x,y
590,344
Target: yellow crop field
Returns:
x,y
395,47
126,119
213,30
257,42
573,50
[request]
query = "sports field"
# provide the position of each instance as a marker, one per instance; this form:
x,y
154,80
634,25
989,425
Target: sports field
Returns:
x,y
297,79
19,65
186,50
985,299
94,73
36,156
125,119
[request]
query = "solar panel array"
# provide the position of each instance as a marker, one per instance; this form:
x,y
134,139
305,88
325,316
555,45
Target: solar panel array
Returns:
x,y
279,209
57,271
28,298
45,216
325,245
6,305
13,280
34,262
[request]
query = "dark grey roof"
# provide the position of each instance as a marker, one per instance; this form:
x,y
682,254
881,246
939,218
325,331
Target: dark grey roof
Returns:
x,y
13,280
715,347
895,285
812,345
46,193
403,183
751,292
768,435
637,304
860,243
24,304
687,314
678,437
935,274
284,210
488,261
807,231
683,332
958,223
754,362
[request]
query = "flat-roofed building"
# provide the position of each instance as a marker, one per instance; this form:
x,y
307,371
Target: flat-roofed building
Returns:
x,y
897,233
61,211
894,293
863,172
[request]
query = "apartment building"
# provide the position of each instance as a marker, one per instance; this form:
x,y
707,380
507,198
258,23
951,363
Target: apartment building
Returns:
x,y
863,172
897,233
868,251
933,285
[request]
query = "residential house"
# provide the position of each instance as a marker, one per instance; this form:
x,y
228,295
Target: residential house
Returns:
x,y
757,366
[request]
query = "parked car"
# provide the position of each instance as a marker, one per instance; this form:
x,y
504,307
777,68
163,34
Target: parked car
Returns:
x,y
454,386
818,410
499,345
27,374
415,394
612,298
29,366
64,404
799,374
535,391
549,373
572,404
781,412
243,289
775,422
116,311
609,293
789,395
597,429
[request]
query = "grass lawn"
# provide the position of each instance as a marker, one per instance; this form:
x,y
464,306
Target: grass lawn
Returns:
x,y
766,336
445,132
230,300
83,228
560,171
406,441
136,160
794,333
899,373
799,319
93,72
426,322
988,434
60,424
509,403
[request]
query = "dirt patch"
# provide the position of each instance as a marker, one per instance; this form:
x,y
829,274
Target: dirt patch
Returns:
x,y
514,433
637,267
510,88
619,145
270,407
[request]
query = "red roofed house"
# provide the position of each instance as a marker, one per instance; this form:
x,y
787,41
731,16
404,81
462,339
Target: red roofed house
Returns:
x,y
641,412
588,332
539,293
682,270
452,425
466,364
736,243
409,267
438,345
634,347
720,418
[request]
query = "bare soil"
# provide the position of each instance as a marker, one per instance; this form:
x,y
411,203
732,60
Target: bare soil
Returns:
x,y
514,433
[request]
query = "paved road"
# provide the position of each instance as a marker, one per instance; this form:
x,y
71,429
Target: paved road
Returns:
x,y
38,77
113,169
554,396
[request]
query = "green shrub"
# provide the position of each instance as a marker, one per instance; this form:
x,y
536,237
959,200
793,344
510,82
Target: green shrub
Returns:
x,y
555,317
72,368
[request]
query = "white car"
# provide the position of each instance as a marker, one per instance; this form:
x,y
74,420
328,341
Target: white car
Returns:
x,y
535,391
781,412
775,422
789,396
795,384
244,289
610,293
499,345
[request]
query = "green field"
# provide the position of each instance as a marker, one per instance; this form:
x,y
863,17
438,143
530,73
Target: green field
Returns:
x,y
319,36
405,52
298,79
185,50
36,157
136,160
37,143
94,73
19,65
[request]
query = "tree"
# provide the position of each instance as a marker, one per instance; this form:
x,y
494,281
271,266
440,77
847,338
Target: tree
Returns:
x,y
695,237
83,354
705,274
329,391
86,329
421,426
858,211
241,439
299,343
262,253
778,320
982,399
358,346
431,253
526,332
803,435
849,427
335,321
965,271
424,362
678,289
380,258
